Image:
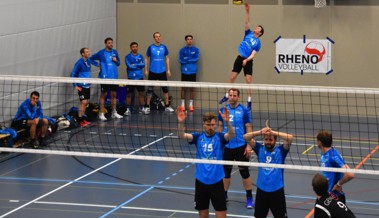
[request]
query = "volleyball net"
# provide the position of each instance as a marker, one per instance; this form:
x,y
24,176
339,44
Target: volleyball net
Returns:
x,y
350,114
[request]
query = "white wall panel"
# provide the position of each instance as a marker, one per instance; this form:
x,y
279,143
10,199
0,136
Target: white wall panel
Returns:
x,y
43,37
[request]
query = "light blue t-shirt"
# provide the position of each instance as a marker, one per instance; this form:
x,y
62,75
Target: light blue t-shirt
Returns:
x,y
211,148
134,66
249,44
157,56
332,158
270,179
109,68
238,118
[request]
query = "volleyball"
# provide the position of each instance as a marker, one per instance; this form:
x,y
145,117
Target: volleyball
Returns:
x,y
237,2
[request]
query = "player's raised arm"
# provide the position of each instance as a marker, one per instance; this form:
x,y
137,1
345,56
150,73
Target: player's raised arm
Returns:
x,y
225,116
247,16
182,115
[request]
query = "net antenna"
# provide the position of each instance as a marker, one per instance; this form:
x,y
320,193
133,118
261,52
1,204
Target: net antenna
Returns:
x,y
320,3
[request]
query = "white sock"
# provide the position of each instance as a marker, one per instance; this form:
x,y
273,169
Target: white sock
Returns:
x,y
183,102
114,111
249,99
191,102
227,95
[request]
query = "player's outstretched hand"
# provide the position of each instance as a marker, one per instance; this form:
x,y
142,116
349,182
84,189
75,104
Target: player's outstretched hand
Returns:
x,y
182,114
225,115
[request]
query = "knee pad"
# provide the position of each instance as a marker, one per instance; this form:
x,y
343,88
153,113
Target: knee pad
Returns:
x,y
149,91
228,171
165,89
245,172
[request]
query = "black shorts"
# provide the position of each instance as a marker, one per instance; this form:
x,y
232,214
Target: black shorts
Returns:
x,y
23,124
158,76
214,193
274,201
247,69
235,154
106,87
84,94
189,77
130,88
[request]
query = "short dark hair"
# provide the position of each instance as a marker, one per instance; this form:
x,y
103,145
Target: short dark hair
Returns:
x,y
82,50
156,33
262,30
234,90
133,43
34,93
108,39
209,116
320,185
185,37
325,138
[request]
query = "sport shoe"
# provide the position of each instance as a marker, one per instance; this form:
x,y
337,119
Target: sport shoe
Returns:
x,y
84,123
35,144
146,110
182,108
224,99
127,112
116,115
248,107
102,117
191,109
169,109
249,203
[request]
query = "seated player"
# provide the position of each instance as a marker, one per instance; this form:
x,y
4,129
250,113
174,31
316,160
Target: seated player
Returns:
x,y
326,206
29,116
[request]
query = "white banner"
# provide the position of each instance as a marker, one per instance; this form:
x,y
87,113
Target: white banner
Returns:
x,y
304,56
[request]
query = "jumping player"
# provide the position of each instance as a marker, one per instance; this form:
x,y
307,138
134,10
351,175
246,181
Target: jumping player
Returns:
x,y
247,49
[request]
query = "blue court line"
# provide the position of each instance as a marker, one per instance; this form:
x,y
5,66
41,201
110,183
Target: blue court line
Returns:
x,y
126,202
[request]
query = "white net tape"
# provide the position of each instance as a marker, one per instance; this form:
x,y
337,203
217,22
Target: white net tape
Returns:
x,y
320,3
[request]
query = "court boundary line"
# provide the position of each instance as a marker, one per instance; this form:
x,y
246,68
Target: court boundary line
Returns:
x,y
134,208
79,178
356,167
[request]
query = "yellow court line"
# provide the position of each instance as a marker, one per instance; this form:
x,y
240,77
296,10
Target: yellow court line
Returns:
x,y
310,148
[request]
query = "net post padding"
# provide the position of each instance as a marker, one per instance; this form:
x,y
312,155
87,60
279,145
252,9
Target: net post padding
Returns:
x,y
320,3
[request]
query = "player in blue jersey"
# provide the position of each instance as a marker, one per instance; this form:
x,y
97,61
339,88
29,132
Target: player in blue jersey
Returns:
x,y
29,116
326,206
158,68
236,149
247,50
135,63
188,58
210,145
330,157
109,63
82,69
270,181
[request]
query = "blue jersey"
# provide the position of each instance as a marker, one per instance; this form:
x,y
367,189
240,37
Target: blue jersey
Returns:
x,y
249,44
238,118
28,112
211,148
332,158
109,68
188,57
134,66
270,179
82,69
157,56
